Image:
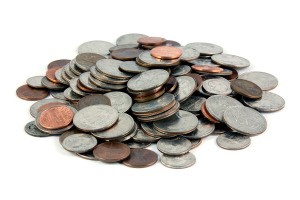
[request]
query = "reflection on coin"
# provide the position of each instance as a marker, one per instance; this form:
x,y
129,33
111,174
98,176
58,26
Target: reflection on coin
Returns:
x,y
142,137
178,162
233,141
137,145
204,129
132,67
166,52
230,60
86,60
111,151
246,88
35,82
130,38
93,99
120,101
31,94
110,67
206,48
32,130
217,86
79,142
97,47
174,146
193,103
186,87
264,80
181,70
139,158
188,54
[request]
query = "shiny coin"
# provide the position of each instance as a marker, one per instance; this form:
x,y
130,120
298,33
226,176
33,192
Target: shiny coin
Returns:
x,y
151,41
126,54
189,54
244,120
58,94
181,70
95,118
130,38
103,78
120,101
150,130
246,88
35,82
110,67
137,145
111,151
166,52
132,67
139,158
79,142
204,129
196,143
171,84
58,63
230,60
97,47
264,80
142,137
36,107
31,94
123,46
70,95
147,60
186,87
51,85
217,86
193,103
85,61
32,130
174,146
93,99
58,76
206,48
178,162
233,141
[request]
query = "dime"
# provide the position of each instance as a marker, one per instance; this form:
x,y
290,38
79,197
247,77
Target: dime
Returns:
x,y
151,41
264,80
51,85
97,47
58,63
110,68
142,137
166,52
204,129
181,70
79,142
174,146
70,95
93,99
139,158
178,162
37,105
56,117
233,141
31,94
132,67
246,88
35,82
103,78
124,46
137,145
111,151
145,59
85,61
126,54
58,94
188,54
32,130
131,38
120,101
217,86
206,48
186,87
230,60
193,103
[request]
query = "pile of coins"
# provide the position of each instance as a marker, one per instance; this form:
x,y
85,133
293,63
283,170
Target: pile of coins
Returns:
x,y
111,102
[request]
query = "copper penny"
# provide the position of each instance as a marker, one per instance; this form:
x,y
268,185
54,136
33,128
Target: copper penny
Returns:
x,y
83,88
93,99
246,88
208,69
171,84
207,115
144,93
166,52
56,117
139,158
58,63
31,94
49,105
50,74
151,41
126,54
149,97
111,151
198,79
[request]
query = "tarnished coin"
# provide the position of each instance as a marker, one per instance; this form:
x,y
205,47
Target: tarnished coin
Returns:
x,y
137,145
264,80
246,88
178,162
130,38
150,130
233,141
186,87
58,76
124,46
132,67
31,94
57,94
204,129
217,104
151,41
189,54
171,84
244,120
174,146
70,95
139,158
58,63
182,122
95,118
146,60
51,85
181,70
166,52
93,99
120,101
110,68
32,130
217,86
193,103
56,117
111,151
206,48
269,102
230,60
34,109
142,137
79,143
195,143
97,47
103,78
86,60
35,82
126,54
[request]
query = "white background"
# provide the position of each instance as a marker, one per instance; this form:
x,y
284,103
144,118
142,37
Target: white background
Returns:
x,y
33,33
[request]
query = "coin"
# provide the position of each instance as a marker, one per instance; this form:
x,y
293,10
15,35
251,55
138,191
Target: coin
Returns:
x,y
130,38
130,135
269,102
111,151
93,99
171,43
234,74
142,137
217,86
36,107
204,129
87,155
132,67
85,61
139,158
207,69
58,76
186,87
70,95
145,59
149,97
233,141
110,68
56,117
103,78
174,146
126,54
74,87
95,85
31,94
264,80
51,85
166,52
206,48
97,47
193,103
178,162
35,82
120,101
246,88
67,133
57,94
217,104
149,130
86,82
50,74
151,41
171,84
196,143
197,78
203,62
207,115
74,68
32,130
221,128
124,46
244,120
58,63
181,70
188,54
230,60
68,72
79,142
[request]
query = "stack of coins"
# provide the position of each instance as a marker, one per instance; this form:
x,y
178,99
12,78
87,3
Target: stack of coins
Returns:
x,y
111,102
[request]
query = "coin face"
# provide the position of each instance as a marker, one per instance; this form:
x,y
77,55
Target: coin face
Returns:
x,y
186,87
93,99
166,52
244,120
151,41
193,103
178,162
97,47
126,54
32,130
141,136
174,146
35,82
230,60
79,143
246,88
110,67
217,86
111,151
189,53
86,60
120,101
233,141
181,70
264,80
131,38
139,158
36,106
31,94
206,48
204,129
58,63
95,118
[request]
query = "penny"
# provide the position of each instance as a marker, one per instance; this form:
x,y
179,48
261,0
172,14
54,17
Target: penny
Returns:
x,y
31,94
85,61
151,41
139,158
70,95
67,133
207,115
87,155
49,105
93,99
145,59
142,137
204,129
95,118
34,109
217,86
196,143
203,62
97,47
35,82
233,141
264,80
178,162
150,130
206,48
130,38
217,104
171,43
132,67
58,94
244,120
110,68
171,84
50,74
111,151
230,60
207,69
186,87
188,54
166,52
79,142
58,63
126,54
56,117
180,70
139,94
193,103
120,101
32,130
269,102
103,78
246,88
174,146
149,97
124,46
51,85
137,145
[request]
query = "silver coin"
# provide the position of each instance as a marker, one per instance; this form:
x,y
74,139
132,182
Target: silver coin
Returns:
x,y
174,146
150,130
95,118
35,82
203,92
89,83
52,86
217,86
124,46
85,61
146,57
110,67
186,87
87,155
264,80
103,78
97,46
132,67
244,120
122,128
74,68
58,94
58,76
204,129
189,54
37,105
269,102
230,60
68,70
178,162
73,86
107,87
70,95
233,141
180,70
32,130
193,103
130,38
203,62
142,137
182,122
79,143
120,101
65,77
217,104
129,136
206,48
195,142
67,133
137,145
148,80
